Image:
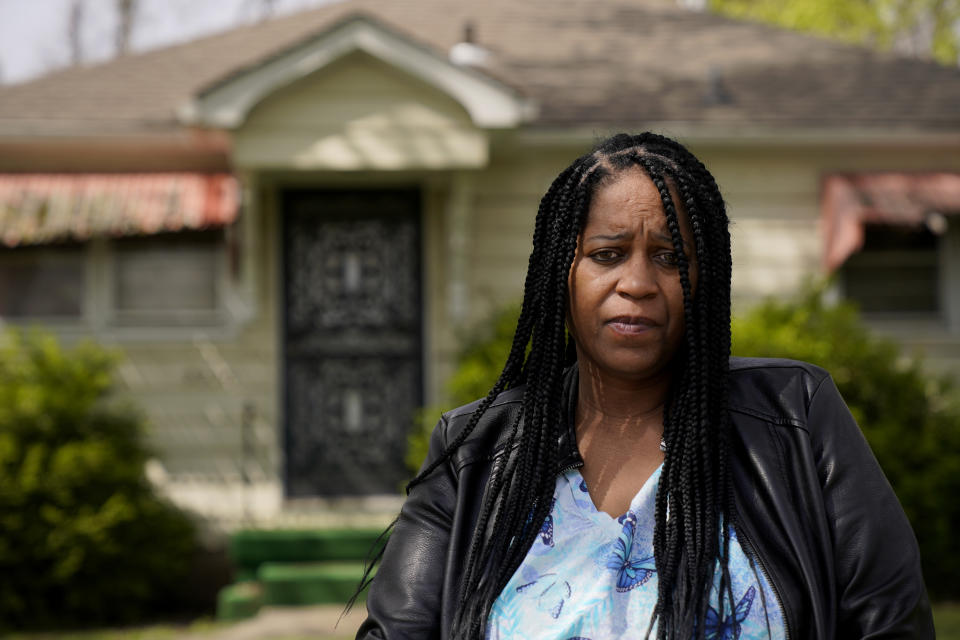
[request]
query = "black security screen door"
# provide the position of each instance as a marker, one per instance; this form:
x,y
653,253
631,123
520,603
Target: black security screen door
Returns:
x,y
352,339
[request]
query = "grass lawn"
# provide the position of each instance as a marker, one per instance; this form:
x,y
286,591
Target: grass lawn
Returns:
x,y
161,632
275,623
158,632
154,633
946,619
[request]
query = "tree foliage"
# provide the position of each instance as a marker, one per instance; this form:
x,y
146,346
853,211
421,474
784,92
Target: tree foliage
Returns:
x,y
924,28
83,537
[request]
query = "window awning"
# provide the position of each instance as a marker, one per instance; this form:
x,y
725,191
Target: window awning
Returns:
x,y
44,208
849,201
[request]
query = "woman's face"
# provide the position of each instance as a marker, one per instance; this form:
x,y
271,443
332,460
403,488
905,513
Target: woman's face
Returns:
x,y
626,303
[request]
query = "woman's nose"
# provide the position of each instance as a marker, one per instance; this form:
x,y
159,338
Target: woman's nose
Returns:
x,y
637,278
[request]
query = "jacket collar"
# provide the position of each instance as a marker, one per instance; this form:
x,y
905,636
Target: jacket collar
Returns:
x,y
568,453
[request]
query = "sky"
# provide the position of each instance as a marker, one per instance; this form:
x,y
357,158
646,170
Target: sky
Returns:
x,y
33,33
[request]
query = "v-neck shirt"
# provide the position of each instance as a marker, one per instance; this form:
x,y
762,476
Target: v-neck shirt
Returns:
x,y
589,576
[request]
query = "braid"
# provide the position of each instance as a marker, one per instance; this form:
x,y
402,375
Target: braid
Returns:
x,y
695,480
692,520
698,413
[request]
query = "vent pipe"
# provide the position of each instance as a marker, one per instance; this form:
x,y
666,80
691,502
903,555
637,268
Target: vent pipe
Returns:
x,y
467,53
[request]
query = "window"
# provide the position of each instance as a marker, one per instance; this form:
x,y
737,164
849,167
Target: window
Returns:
x,y
169,279
898,270
166,280
45,282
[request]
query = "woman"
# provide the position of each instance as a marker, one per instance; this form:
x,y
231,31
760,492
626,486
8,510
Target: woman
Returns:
x,y
625,477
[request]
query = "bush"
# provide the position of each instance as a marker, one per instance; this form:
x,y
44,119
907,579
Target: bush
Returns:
x,y
478,366
83,538
910,418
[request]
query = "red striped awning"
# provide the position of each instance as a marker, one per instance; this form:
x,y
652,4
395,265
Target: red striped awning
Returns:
x,y
849,201
44,208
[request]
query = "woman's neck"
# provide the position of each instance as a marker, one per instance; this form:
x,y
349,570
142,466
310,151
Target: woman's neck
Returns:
x,y
619,424
613,402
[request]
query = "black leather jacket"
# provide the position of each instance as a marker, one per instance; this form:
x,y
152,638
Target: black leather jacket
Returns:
x,y
813,508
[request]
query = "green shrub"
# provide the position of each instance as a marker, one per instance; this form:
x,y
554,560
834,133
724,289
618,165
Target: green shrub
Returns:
x,y
910,418
83,538
478,366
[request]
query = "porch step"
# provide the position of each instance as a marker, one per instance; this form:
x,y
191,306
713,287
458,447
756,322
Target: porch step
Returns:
x,y
309,583
253,547
293,567
239,601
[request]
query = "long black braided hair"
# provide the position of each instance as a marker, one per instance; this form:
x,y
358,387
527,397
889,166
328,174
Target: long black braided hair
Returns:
x,y
695,479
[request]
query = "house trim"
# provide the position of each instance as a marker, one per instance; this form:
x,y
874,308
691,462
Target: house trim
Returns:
x,y
745,136
490,103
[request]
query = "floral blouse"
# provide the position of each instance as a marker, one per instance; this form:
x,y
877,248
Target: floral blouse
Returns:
x,y
589,576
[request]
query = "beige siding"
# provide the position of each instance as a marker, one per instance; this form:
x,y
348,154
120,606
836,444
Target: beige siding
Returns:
x,y
195,404
506,199
773,203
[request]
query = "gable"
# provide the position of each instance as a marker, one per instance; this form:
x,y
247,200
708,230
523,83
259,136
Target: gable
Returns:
x,y
227,103
359,113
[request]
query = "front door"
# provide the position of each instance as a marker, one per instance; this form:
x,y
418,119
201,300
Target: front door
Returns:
x,y
352,339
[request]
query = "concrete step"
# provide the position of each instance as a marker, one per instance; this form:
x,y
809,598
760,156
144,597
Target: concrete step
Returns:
x,y
293,567
239,601
253,547
309,583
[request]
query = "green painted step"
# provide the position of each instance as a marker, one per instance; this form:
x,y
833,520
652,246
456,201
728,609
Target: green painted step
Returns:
x,y
309,583
239,601
253,547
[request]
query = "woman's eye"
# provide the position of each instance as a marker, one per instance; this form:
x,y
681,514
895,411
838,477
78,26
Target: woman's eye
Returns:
x,y
604,256
669,258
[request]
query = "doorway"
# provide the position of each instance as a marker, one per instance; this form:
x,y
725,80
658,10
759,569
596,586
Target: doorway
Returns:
x,y
352,339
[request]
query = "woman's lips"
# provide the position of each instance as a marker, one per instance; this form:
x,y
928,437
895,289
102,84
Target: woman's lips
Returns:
x,y
631,325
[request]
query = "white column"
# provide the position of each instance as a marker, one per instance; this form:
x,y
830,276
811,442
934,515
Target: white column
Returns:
x,y
242,288
459,205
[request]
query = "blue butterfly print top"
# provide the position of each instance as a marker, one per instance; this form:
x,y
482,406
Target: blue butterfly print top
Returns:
x,y
592,577
631,572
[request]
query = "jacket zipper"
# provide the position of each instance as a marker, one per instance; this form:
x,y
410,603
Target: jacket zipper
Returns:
x,y
751,550
575,465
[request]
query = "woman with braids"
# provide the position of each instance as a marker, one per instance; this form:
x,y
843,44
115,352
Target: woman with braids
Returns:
x,y
627,478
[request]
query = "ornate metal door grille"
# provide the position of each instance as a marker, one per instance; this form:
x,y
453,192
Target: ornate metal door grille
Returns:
x,y
352,340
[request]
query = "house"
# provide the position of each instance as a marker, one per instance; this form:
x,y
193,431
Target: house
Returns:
x,y
287,228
